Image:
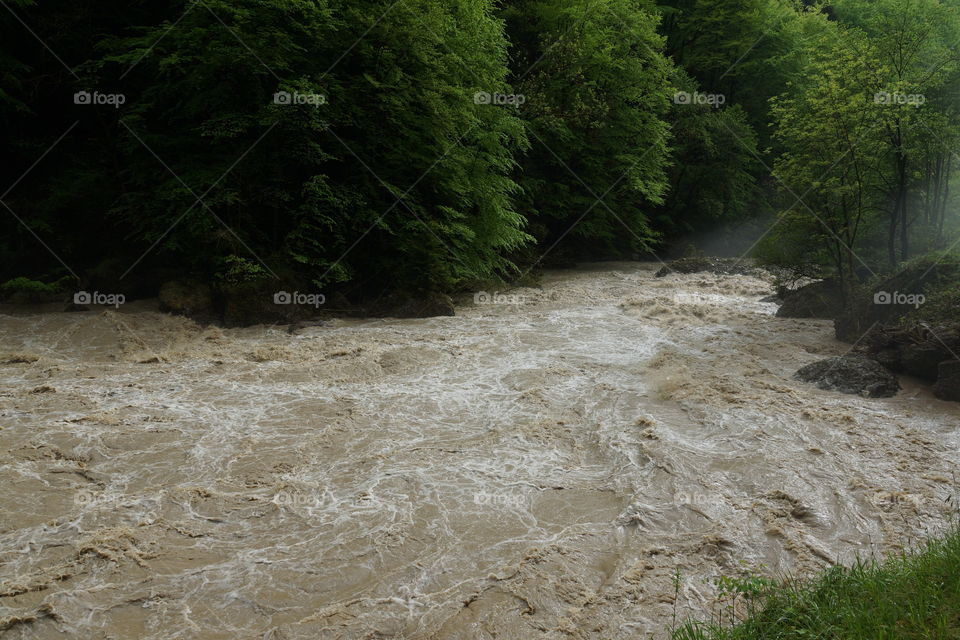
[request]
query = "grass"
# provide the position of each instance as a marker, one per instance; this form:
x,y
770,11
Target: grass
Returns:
x,y
910,597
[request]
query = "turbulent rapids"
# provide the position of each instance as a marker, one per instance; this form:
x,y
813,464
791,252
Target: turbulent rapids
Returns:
x,y
542,465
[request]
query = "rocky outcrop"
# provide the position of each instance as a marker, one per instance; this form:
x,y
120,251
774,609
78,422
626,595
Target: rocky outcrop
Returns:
x,y
266,302
852,374
914,349
889,300
910,322
186,298
822,299
948,381
419,305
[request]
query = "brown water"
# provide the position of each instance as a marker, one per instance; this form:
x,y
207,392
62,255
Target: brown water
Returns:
x,y
538,470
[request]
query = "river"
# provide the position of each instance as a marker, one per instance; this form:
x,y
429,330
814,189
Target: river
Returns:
x,y
577,460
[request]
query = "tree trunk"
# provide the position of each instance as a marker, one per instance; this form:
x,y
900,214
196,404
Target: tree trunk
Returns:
x,y
943,200
902,206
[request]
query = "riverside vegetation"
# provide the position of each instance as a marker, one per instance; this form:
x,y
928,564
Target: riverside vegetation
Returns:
x,y
362,148
915,595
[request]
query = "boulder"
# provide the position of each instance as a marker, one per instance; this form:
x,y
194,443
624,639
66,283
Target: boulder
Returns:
x,y
428,306
948,382
852,374
822,299
916,349
186,298
923,360
266,301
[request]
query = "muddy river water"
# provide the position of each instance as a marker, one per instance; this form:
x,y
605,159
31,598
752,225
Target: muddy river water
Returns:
x,y
542,466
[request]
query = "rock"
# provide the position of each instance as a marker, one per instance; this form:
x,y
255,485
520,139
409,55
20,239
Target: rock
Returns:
x,y
916,349
822,299
923,360
948,382
429,306
895,298
774,299
719,266
852,374
267,301
339,302
186,298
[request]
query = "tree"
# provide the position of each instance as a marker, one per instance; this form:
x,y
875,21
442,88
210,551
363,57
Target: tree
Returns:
x,y
596,89
379,140
828,126
910,53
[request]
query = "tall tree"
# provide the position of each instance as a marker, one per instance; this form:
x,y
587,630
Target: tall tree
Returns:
x,y
828,126
910,50
596,89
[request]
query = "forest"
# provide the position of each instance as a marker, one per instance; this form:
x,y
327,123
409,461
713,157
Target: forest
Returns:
x,y
356,148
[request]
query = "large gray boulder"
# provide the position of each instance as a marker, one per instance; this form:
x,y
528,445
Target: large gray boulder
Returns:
x,y
852,374
822,299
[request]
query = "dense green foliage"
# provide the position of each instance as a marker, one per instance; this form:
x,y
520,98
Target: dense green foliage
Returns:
x,y
430,145
382,142
867,130
910,596
597,89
